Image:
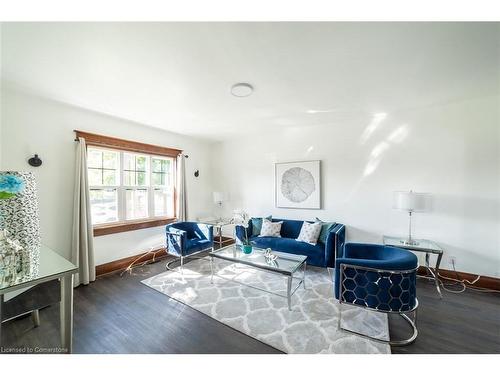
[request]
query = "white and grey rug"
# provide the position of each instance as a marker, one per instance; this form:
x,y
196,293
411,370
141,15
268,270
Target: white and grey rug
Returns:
x,y
311,326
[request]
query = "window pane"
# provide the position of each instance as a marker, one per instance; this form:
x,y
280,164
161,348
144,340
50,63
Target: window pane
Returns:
x,y
128,178
157,165
163,203
110,159
94,158
95,177
158,179
136,202
103,205
140,163
141,178
166,166
110,178
128,161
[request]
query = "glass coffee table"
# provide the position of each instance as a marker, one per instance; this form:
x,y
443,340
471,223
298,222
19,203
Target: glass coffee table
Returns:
x,y
287,265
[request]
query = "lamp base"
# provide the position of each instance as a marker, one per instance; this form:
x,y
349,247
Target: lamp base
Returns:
x,y
409,242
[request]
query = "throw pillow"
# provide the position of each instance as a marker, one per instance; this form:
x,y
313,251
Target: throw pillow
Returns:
x,y
257,224
325,229
270,229
310,232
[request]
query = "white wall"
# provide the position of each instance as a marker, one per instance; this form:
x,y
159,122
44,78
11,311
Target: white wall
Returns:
x,y
450,150
33,124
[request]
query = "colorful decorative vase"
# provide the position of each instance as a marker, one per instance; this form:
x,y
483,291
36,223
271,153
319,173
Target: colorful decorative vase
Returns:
x,y
19,218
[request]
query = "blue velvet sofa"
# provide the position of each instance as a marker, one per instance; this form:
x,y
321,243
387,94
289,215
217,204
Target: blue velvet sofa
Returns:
x,y
320,255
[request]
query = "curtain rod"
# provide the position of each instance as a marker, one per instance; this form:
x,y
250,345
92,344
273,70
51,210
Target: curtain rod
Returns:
x,y
182,153
123,144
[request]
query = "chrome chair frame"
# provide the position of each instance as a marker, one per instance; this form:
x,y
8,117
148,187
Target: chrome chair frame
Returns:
x,y
181,257
403,314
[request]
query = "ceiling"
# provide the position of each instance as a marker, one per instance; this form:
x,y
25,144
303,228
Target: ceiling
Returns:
x,y
177,76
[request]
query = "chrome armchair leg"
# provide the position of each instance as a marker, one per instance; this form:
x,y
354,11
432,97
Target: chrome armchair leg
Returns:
x,y
180,259
35,317
408,341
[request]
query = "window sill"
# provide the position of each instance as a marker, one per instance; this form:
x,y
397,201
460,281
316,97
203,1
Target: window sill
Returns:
x,y
102,230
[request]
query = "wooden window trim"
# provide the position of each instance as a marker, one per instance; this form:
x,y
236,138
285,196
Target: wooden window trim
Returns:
x,y
92,139
105,229
125,145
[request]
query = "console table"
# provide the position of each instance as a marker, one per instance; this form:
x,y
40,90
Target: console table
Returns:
x,y
219,239
51,266
425,246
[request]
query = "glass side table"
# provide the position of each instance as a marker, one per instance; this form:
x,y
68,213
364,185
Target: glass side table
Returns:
x,y
51,266
218,224
425,246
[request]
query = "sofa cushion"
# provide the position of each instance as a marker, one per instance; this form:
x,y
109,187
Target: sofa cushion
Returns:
x,y
315,253
290,228
271,229
257,224
309,232
326,227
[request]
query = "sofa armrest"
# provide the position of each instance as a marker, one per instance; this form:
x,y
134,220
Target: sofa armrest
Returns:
x,y
334,246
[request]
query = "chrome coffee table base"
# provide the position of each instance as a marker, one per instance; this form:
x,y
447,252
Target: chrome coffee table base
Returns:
x,y
283,264
289,290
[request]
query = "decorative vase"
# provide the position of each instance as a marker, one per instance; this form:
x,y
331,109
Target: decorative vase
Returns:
x,y
247,249
20,225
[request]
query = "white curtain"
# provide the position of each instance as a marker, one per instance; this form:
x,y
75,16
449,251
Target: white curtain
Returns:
x,y
181,203
82,246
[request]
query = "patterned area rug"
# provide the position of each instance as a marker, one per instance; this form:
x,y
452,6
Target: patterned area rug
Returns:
x,y
311,326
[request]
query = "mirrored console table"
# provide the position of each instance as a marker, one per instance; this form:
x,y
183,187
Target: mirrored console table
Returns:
x,y
51,266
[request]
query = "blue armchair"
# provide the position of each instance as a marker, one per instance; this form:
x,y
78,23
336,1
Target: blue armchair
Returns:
x,y
380,278
186,238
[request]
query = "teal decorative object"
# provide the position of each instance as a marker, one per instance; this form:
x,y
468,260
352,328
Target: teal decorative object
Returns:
x,y
247,249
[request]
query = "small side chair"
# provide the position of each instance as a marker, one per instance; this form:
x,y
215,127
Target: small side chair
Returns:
x,y
187,238
379,278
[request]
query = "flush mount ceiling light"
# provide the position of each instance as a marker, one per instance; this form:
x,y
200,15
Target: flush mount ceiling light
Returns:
x,y
241,89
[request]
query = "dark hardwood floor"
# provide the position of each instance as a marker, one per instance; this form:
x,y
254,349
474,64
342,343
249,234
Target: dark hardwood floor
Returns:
x,y
120,315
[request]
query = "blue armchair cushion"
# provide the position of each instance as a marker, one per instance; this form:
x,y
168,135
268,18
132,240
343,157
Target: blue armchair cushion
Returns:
x,y
257,224
383,290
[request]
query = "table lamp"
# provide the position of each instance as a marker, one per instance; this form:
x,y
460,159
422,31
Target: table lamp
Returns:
x,y
411,202
219,198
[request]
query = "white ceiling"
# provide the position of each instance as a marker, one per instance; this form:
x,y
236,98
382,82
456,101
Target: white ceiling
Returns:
x,y
177,76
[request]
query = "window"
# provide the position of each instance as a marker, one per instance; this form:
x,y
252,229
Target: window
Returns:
x,y
129,186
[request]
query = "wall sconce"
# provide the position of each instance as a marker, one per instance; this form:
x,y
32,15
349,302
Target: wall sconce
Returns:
x,y
35,161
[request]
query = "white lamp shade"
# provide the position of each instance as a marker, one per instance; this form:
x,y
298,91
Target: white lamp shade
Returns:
x,y
218,197
411,201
